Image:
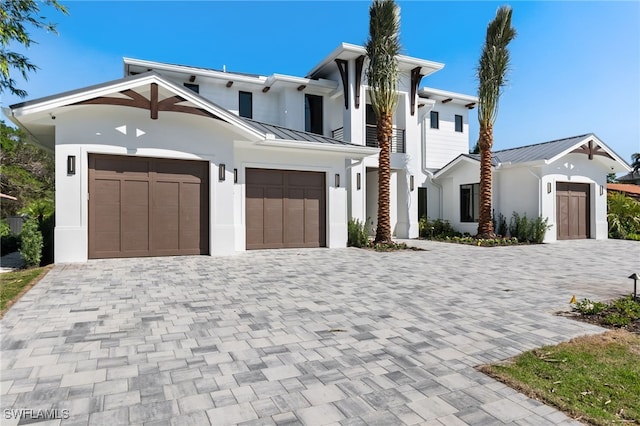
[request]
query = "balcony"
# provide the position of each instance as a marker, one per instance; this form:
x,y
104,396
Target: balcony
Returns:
x,y
397,138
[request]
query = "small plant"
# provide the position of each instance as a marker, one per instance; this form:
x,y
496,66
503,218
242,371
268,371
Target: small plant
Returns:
x,y
628,307
358,233
588,307
31,243
502,227
528,230
435,229
616,319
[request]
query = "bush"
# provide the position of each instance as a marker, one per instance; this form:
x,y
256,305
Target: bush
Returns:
x,y
31,243
437,229
358,233
501,225
589,307
5,230
9,242
623,215
528,230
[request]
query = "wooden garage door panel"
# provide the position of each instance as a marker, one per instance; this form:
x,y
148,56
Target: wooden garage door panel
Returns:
x,y
135,216
142,206
572,210
285,209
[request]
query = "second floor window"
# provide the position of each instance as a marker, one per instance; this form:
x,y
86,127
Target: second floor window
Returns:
x,y
245,104
371,116
435,120
313,114
458,123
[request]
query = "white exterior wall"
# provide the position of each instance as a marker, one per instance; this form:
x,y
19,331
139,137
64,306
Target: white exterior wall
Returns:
x,y
445,144
466,172
117,130
516,190
577,168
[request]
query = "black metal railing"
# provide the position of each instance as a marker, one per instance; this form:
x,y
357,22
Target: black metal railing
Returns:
x,y
397,138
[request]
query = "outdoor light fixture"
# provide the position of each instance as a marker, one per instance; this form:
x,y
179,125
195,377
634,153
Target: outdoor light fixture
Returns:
x,y
635,277
411,182
358,181
337,180
548,187
221,172
235,175
601,189
71,164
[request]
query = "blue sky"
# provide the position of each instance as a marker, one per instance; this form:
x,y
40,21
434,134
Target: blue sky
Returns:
x,y
575,65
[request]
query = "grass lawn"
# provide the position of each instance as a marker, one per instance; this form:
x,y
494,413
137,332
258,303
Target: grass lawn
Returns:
x,y
15,284
594,379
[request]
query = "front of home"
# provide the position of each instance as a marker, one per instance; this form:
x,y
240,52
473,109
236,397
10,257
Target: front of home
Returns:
x,y
180,160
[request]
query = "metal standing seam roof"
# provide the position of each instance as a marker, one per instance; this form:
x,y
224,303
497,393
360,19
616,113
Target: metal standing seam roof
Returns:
x,y
290,134
535,152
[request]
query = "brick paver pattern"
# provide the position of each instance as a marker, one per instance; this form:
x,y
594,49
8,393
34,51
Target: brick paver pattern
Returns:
x,y
310,336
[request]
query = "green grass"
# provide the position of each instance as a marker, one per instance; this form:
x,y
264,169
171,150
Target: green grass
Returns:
x,y
592,378
12,284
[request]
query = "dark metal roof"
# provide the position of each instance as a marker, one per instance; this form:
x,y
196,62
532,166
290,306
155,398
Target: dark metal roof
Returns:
x,y
289,134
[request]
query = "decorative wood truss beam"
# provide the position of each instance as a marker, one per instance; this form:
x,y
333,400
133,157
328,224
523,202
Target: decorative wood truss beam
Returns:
x,y
301,87
359,66
136,100
343,67
229,83
591,149
445,101
416,77
471,105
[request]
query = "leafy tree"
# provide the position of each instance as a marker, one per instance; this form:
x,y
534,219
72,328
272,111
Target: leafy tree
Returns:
x,y
635,162
612,178
26,171
492,71
15,18
623,215
382,47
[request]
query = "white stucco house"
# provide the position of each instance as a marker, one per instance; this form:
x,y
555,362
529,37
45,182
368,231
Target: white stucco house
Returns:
x,y
174,159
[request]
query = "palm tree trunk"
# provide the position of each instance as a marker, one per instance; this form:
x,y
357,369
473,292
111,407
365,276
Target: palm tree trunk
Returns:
x,y
485,225
384,131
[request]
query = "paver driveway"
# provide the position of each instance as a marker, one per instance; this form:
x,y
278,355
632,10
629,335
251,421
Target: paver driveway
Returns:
x,y
318,336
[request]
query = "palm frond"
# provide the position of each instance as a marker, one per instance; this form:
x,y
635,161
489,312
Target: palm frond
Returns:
x,y
494,63
382,47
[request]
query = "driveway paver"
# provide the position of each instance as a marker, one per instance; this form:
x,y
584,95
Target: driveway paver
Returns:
x,y
313,336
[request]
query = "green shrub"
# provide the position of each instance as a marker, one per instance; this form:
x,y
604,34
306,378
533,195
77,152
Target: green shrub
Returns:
x,y
623,215
634,237
9,242
501,226
358,233
617,320
627,307
435,229
589,307
31,243
5,230
528,230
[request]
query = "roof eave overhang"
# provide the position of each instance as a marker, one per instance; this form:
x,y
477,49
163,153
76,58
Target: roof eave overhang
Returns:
x,y
624,167
353,150
443,171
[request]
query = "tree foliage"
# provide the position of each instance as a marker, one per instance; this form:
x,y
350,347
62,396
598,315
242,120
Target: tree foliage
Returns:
x,y
635,162
383,47
16,16
26,171
623,215
492,71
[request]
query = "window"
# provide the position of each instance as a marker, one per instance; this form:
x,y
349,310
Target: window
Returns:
x,y
313,114
371,116
422,203
435,120
191,86
245,104
458,123
469,202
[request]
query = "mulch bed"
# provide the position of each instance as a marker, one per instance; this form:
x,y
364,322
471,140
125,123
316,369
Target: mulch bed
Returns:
x,y
598,319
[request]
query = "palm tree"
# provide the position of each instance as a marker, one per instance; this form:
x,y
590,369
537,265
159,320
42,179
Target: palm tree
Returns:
x,y
635,165
492,71
382,48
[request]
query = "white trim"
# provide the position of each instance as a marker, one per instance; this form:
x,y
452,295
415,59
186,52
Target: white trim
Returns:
x,y
364,151
599,143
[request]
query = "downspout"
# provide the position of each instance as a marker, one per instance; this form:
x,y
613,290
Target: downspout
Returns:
x,y
539,191
429,173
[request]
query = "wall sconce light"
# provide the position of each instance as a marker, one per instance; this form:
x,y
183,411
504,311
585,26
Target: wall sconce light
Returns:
x,y
221,172
601,189
337,180
411,182
358,181
235,175
71,164
548,187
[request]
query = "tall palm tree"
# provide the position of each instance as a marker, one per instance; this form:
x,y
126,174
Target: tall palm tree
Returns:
x,y
382,47
492,71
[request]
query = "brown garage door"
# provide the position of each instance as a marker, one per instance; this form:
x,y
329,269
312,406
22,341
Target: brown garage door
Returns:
x,y
572,210
147,207
285,209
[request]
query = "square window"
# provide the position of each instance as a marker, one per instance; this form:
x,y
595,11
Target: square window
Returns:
x,y
435,120
245,104
458,123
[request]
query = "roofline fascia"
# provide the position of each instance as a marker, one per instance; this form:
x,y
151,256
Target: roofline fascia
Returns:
x,y
364,151
31,138
453,162
454,95
608,150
